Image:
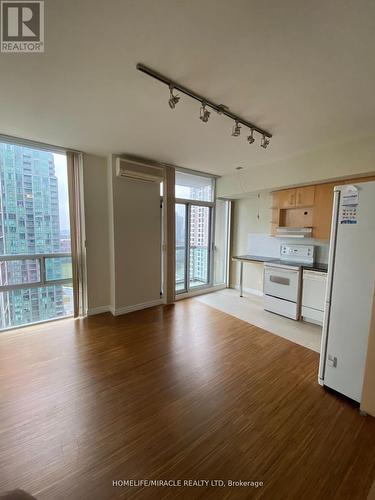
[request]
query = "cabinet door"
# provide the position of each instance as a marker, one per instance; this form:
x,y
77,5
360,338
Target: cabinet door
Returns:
x,y
323,210
305,196
287,198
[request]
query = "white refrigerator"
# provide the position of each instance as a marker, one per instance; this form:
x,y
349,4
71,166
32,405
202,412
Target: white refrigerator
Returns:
x,y
350,289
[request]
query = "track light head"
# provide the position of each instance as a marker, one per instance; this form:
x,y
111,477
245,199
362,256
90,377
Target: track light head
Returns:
x,y
173,99
265,142
204,113
250,138
236,129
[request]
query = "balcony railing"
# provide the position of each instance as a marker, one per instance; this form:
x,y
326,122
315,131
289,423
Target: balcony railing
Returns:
x,y
42,275
198,272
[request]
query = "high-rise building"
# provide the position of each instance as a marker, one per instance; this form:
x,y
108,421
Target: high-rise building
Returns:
x,y
199,242
199,236
29,224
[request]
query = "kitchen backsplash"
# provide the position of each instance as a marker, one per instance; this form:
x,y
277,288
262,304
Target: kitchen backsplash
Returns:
x,y
269,246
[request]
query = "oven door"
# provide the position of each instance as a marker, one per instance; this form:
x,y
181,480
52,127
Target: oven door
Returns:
x,y
282,283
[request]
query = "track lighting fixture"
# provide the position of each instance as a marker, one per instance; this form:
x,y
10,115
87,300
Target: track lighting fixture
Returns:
x,y
204,113
236,129
264,142
173,99
250,138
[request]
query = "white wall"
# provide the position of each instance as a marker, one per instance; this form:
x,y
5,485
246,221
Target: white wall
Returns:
x,y
250,215
338,161
96,221
135,242
122,220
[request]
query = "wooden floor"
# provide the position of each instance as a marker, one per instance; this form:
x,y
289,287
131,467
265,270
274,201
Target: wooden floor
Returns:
x,y
175,393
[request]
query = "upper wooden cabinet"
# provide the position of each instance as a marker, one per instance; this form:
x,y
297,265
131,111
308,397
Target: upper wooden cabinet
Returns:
x,y
287,198
323,210
305,196
308,206
296,198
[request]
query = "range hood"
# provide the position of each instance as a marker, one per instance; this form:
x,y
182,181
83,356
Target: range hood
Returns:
x,y
293,232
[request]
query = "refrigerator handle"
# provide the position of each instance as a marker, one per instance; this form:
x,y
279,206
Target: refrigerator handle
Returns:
x,y
331,270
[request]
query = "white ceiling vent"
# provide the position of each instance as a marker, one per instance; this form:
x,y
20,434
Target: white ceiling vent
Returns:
x,y
138,171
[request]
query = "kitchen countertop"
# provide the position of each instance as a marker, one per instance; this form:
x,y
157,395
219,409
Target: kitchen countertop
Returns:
x,y
318,266
253,258
258,258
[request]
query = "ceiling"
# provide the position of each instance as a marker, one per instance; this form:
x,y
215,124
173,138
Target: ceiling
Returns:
x,y
305,71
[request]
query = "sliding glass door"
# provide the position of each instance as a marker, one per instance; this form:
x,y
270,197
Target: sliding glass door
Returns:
x,y
194,214
193,246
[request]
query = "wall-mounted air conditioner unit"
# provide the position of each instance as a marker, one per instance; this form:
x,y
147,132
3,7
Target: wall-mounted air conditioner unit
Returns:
x,y
138,171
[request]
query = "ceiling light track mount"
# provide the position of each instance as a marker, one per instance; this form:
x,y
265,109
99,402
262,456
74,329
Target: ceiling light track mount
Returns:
x,y
219,108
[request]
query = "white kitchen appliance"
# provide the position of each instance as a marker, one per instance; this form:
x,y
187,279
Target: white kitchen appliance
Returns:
x,y
314,285
350,290
282,280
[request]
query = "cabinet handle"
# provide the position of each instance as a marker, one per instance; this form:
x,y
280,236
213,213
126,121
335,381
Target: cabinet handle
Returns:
x,y
299,198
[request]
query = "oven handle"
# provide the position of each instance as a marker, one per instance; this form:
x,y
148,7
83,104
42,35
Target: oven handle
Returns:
x,y
280,280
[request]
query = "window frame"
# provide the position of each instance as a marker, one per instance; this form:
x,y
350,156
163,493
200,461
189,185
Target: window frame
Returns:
x,y
187,202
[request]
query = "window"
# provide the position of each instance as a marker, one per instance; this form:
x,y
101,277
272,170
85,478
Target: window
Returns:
x,y
221,241
38,181
194,187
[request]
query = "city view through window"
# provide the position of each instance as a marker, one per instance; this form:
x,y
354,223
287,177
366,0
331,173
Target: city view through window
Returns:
x,y
193,229
34,222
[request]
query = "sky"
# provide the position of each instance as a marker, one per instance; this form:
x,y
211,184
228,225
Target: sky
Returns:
x,y
62,176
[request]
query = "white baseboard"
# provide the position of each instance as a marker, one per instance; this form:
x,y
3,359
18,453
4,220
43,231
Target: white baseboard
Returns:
x,y
98,310
136,307
253,291
202,291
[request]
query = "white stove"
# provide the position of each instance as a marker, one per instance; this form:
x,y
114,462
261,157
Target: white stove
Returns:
x,y
282,280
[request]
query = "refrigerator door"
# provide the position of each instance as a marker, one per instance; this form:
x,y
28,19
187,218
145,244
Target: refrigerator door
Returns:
x,y
327,307
349,293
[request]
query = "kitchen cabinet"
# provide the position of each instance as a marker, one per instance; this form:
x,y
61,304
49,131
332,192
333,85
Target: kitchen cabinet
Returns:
x,y
305,196
314,286
287,198
308,206
296,198
323,210
297,217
